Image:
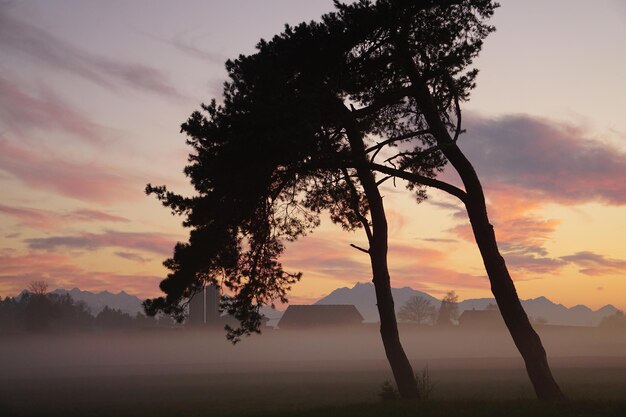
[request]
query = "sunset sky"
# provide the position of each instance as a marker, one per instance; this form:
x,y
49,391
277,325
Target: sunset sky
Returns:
x,y
92,95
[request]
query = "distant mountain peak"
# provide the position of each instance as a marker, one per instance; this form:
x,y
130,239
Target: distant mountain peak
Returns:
x,y
96,301
362,295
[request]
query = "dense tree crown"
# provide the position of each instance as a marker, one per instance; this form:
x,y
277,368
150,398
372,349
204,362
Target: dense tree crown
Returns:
x,y
304,117
280,147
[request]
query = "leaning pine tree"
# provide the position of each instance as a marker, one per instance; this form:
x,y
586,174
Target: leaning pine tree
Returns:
x,y
285,144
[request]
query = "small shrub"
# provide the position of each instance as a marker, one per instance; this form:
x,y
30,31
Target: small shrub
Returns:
x,y
425,386
388,392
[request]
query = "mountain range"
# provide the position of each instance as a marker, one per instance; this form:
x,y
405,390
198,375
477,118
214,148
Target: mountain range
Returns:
x,y
362,296
96,301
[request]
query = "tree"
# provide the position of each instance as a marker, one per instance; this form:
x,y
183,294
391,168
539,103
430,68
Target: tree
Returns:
x,y
266,163
113,319
614,321
418,66
418,310
38,287
449,309
295,121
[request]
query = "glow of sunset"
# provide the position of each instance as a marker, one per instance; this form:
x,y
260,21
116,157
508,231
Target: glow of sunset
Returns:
x,y
92,96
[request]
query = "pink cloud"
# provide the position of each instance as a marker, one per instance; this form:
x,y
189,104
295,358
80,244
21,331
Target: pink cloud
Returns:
x,y
525,163
130,256
549,160
414,266
595,264
158,243
330,257
48,220
55,53
21,112
16,271
87,181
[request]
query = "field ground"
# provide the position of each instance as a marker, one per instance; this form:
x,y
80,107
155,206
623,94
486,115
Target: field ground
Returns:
x,y
461,392
306,375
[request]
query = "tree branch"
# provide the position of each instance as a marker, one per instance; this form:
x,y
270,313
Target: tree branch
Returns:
x,y
408,135
359,248
383,100
420,179
354,204
457,105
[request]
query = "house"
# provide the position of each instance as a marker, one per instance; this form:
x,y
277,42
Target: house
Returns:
x,y
316,316
481,318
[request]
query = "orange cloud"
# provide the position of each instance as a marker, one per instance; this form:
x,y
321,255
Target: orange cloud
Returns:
x,y
595,265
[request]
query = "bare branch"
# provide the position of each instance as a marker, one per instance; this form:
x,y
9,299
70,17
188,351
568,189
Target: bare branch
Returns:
x,y
420,179
359,248
379,182
408,135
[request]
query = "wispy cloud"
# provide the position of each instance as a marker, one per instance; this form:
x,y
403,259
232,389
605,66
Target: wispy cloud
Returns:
x,y
130,256
157,243
48,219
58,54
59,271
87,181
595,264
21,112
548,161
190,47
527,162
414,266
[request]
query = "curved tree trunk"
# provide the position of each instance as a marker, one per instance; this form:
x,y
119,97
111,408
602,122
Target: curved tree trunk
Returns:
x,y
400,365
524,336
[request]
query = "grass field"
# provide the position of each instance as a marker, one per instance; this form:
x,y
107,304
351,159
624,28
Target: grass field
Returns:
x,y
284,374
466,392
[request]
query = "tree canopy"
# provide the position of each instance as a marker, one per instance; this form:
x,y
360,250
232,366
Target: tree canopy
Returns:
x,y
277,151
290,137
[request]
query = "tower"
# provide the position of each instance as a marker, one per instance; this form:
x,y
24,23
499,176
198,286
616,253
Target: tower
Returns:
x,y
204,307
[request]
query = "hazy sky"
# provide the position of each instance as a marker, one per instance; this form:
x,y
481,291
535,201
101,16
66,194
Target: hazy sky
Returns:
x,y
92,95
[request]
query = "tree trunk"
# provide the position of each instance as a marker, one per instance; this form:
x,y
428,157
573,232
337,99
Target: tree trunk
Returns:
x,y
400,365
524,336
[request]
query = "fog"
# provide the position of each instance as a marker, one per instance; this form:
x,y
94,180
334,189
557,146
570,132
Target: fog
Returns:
x,y
173,351
198,372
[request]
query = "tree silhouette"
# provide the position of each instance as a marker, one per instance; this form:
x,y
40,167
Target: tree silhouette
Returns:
x,y
448,310
418,310
38,287
291,139
430,61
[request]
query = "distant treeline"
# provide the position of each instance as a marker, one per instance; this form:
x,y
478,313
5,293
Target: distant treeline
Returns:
x,y
31,312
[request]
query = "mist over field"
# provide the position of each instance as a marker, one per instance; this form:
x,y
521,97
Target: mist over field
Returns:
x,y
182,369
205,351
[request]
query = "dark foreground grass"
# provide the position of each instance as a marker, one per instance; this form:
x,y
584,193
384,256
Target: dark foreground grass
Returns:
x,y
458,393
518,408
430,408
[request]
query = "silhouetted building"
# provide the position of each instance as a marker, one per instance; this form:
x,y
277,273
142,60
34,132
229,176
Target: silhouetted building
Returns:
x,y
204,307
481,318
309,316
204,310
